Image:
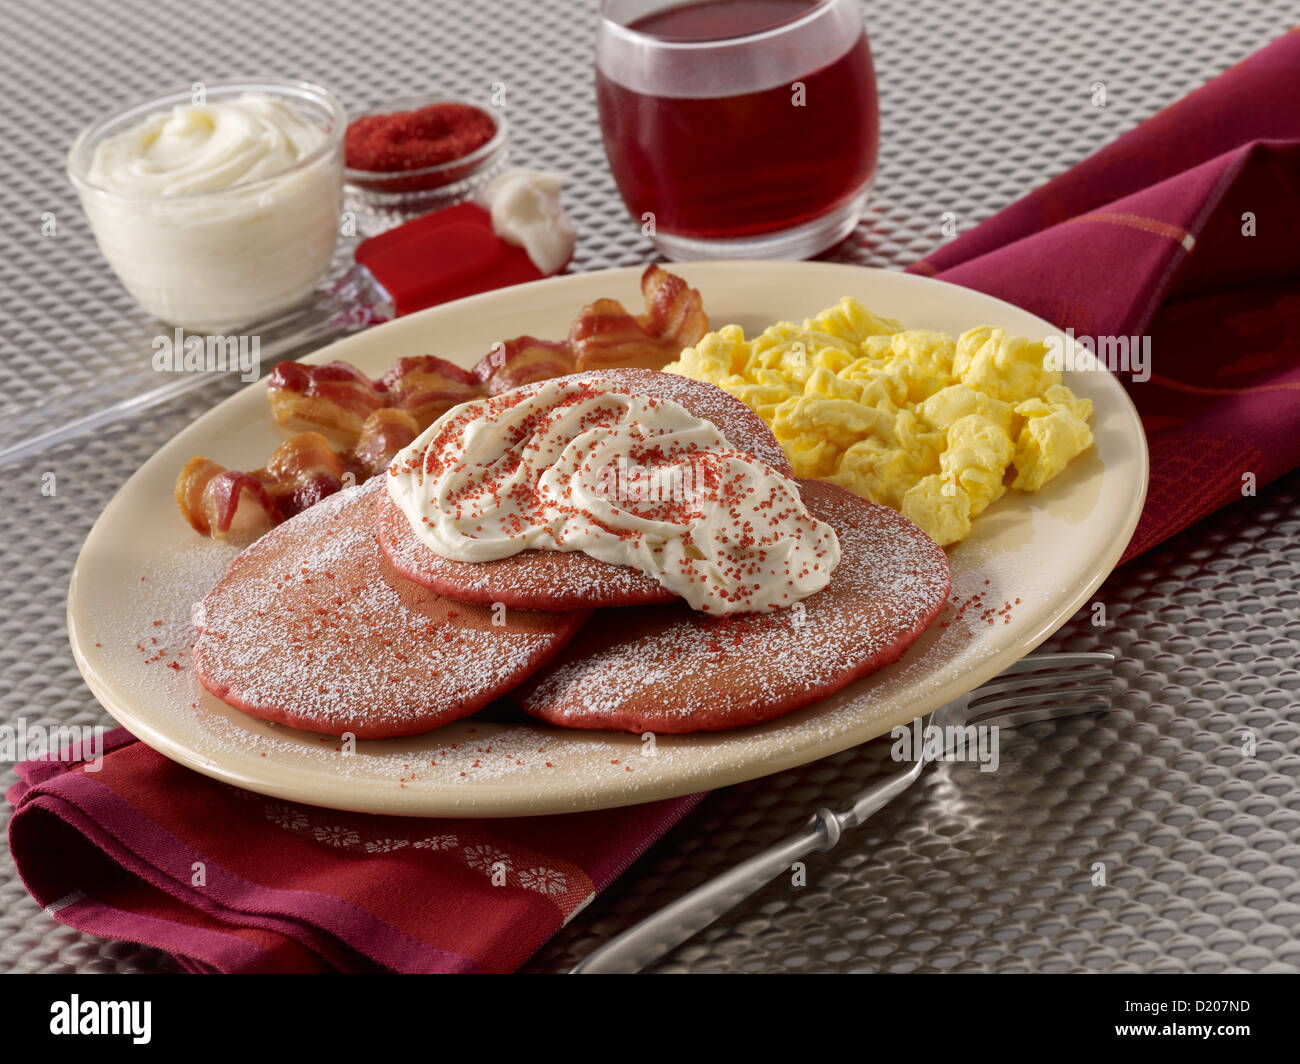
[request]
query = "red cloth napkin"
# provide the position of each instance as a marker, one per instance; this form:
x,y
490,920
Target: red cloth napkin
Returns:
x,y
231,881
1150,237
1145,236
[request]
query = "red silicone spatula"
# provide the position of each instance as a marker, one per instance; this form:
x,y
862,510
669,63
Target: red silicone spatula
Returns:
x,y
442,256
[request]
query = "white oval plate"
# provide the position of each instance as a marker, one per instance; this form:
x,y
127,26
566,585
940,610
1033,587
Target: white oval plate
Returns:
x,y
142,568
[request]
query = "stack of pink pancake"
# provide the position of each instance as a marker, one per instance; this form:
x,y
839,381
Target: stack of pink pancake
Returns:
x,y
342,621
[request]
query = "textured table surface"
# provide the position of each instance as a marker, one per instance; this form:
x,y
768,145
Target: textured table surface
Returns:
x,y
969,871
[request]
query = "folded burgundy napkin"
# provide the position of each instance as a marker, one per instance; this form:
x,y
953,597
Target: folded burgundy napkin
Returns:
x,y
231,881
1149,236
1185,230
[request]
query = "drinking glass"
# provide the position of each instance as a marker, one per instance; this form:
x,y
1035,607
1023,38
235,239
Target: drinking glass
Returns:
x,y
738,128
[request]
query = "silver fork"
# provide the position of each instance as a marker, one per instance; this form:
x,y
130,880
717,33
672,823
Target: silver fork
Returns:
x,y
1055,685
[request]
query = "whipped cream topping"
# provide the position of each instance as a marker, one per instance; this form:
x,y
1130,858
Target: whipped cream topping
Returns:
x,y
631,480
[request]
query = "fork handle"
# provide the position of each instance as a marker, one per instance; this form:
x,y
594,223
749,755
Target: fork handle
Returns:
x,y
672,925
675,923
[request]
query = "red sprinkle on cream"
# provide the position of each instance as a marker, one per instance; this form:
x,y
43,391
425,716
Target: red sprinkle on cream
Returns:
x,y
628,479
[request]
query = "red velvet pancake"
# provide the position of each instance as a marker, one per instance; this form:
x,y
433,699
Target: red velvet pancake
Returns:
x,y
312,628
672,669
571,580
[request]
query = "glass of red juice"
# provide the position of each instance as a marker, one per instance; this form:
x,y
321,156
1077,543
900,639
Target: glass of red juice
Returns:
x,y
738,128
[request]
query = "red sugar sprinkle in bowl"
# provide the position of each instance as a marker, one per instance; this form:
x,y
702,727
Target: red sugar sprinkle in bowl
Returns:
x,y
415,154
421,139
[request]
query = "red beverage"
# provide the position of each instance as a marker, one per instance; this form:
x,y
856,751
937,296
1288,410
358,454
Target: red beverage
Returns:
x,y
731,119
719,20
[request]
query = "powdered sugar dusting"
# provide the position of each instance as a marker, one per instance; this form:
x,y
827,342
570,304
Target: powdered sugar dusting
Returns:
x,y
152,621
668,669
530,578
305,629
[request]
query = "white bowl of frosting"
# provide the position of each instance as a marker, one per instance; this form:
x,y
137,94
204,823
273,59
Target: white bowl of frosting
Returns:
x,y
219,206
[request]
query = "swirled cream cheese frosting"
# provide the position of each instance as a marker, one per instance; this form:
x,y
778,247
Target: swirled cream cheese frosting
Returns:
x,y
218,214
628,479
206,147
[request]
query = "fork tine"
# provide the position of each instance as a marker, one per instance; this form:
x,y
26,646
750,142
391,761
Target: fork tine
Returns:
x,y
1039,662
1031,683
1016,718
1066,698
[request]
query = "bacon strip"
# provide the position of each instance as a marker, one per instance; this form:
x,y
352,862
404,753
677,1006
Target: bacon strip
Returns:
x,y
374,419
427,387
605,336
524,360
338,397
238,507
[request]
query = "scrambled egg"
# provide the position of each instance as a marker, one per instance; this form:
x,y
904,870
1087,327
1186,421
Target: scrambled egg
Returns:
x,y
934,427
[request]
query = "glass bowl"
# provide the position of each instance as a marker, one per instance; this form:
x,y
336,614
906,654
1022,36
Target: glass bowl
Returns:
x,y
382,199
217,260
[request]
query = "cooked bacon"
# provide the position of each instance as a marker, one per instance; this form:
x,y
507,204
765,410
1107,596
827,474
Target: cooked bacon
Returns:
x,y
384,434
524,360
673,309
229,505
606,336
374,419
223,503
427,387
336,396
339,398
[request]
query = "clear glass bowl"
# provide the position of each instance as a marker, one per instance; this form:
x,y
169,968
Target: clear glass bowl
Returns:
x,y
382,199
218,260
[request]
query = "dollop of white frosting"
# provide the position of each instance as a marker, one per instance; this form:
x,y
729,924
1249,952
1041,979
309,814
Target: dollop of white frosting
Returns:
x,y
526,212
628,479
205,147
